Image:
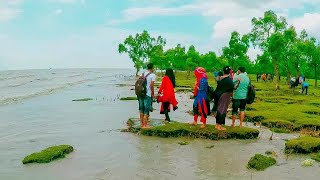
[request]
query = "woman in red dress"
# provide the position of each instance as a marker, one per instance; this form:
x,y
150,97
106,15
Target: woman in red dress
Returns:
x,y
166,94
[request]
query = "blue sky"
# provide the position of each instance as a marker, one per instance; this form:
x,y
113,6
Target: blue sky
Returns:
x,y
36,34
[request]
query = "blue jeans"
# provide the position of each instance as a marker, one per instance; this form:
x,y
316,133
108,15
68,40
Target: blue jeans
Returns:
x,y
145,104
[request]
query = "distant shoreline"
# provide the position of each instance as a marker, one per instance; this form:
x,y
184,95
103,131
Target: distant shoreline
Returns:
x,y
4,70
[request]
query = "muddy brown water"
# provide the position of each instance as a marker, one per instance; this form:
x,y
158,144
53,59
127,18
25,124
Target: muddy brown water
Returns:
x,y
102,152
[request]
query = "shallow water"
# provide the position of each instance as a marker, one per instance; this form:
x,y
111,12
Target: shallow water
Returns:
x,y
41,118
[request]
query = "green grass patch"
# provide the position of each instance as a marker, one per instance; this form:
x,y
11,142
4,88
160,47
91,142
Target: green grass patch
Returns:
x,y
260,162
49,154
279,130
177,129
316,156
83,99
128,98
303,145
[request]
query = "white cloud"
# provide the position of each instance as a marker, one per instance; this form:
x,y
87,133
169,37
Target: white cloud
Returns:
x,y
9,9
309,22
224,27
7,14
58,11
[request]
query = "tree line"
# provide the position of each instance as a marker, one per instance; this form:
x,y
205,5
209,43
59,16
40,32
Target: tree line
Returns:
x,y
284,51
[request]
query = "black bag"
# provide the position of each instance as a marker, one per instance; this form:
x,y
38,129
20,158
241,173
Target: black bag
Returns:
x,y
210,93
141,86
251,94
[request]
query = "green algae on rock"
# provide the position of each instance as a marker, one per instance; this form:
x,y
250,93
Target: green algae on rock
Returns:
x,y
48,154
128,98
303,145
177,129
260,162
84,99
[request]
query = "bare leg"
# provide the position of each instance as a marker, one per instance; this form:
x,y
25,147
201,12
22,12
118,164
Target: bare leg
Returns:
x,y
145,120
241,118
141,119
233,120
195,119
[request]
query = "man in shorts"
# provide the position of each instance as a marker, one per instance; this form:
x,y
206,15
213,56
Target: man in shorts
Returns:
x,y
239,100
146,102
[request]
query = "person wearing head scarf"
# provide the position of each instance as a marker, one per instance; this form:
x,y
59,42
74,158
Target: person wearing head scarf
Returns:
x,y
166,94
200,95
222,98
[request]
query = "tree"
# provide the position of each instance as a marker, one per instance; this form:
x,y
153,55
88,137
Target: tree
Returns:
x,y
209,61
236,52
140,48
192,59
263,29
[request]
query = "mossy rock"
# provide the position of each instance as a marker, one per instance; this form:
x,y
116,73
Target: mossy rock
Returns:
x,y
128,98
183,143
177,129
260,162
49,154
303,145
84,99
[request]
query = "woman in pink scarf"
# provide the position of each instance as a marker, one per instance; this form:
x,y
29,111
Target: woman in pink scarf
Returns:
x,y
200,95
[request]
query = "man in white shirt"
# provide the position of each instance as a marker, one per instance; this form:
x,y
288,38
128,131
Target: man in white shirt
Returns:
x,y
145,102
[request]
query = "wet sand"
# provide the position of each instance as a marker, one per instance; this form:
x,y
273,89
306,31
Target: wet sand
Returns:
x,y
102,152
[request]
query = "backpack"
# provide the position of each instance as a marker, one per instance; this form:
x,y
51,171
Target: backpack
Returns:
x,y
141,86
210,93
251,94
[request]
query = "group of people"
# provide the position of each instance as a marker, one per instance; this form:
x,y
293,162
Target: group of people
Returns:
x,y
265,77
229,85
300,80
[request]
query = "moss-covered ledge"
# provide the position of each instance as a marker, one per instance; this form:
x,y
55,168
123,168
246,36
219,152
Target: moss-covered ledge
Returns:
x,y
49,154
177,129
303,145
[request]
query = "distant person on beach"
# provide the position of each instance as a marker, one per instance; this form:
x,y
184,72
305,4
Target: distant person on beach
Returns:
x,y
216,73
200,96
258,77
305,86
239,100
264,77
166,94
222,98
145,101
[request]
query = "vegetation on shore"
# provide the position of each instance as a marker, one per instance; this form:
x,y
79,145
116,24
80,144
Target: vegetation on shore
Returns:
x,y
49,154
303,145
260,162
176,129
83,99
284,51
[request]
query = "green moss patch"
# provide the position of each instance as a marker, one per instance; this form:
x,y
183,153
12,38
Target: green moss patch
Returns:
x,y
128,98
177,129
316,157
303,145
260,162
210,147
182,143
279,130
49,154
84,99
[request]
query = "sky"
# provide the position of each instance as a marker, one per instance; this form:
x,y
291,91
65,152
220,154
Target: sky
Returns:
x,y
41,34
